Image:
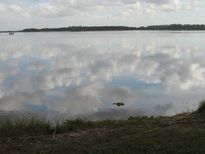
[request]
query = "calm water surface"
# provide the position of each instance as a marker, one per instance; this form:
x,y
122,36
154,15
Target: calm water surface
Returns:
x,y
82,74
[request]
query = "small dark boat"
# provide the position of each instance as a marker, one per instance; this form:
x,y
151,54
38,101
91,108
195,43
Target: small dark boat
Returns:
x,y
11,33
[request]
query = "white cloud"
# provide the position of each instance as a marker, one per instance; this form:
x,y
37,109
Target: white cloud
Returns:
x,y
36,66
62,12
18,101
58,78
2,7
3,76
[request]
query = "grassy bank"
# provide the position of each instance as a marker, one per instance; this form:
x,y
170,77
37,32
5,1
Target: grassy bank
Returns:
x,y
183,133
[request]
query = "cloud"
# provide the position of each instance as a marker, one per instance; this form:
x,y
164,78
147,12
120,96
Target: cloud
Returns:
x,y
45,10
158,1
123,113
162,109
18,100
115,114
77,10
2,7
23,83
36,66
3,76
78,101
87,99
58,78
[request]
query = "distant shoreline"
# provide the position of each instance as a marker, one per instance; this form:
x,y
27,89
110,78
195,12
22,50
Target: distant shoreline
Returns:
x,y
172,27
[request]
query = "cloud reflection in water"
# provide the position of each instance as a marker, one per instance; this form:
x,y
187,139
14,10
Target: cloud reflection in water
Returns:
x,y
82,74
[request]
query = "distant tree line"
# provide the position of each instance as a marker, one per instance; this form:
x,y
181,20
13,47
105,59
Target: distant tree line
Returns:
x,y
82,28
117,28
173,27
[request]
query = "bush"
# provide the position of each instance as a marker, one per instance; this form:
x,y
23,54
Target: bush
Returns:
x,y
201,107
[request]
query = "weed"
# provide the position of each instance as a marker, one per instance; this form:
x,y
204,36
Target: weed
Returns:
x,y
25,126
201,107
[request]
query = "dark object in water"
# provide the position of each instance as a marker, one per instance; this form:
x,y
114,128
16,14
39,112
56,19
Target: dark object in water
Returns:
x,y
11,33
118,104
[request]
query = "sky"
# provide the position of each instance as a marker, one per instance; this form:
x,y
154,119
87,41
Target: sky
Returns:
x,y
20,14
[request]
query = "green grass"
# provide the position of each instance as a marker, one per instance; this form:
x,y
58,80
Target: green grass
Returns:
x,y
25,126
137,137
184,133
200,112
201,107
73,125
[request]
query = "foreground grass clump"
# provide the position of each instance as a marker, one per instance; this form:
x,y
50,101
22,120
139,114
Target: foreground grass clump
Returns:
x,y
201,107
200,112
183,133
73,125
25,126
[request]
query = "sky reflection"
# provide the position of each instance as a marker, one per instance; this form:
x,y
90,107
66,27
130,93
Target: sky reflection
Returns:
x,y
82,74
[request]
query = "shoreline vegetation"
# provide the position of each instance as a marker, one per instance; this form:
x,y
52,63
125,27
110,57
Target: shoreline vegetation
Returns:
x,y
171,27
182,133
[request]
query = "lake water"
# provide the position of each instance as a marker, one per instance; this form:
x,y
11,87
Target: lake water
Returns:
x,y
82,74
